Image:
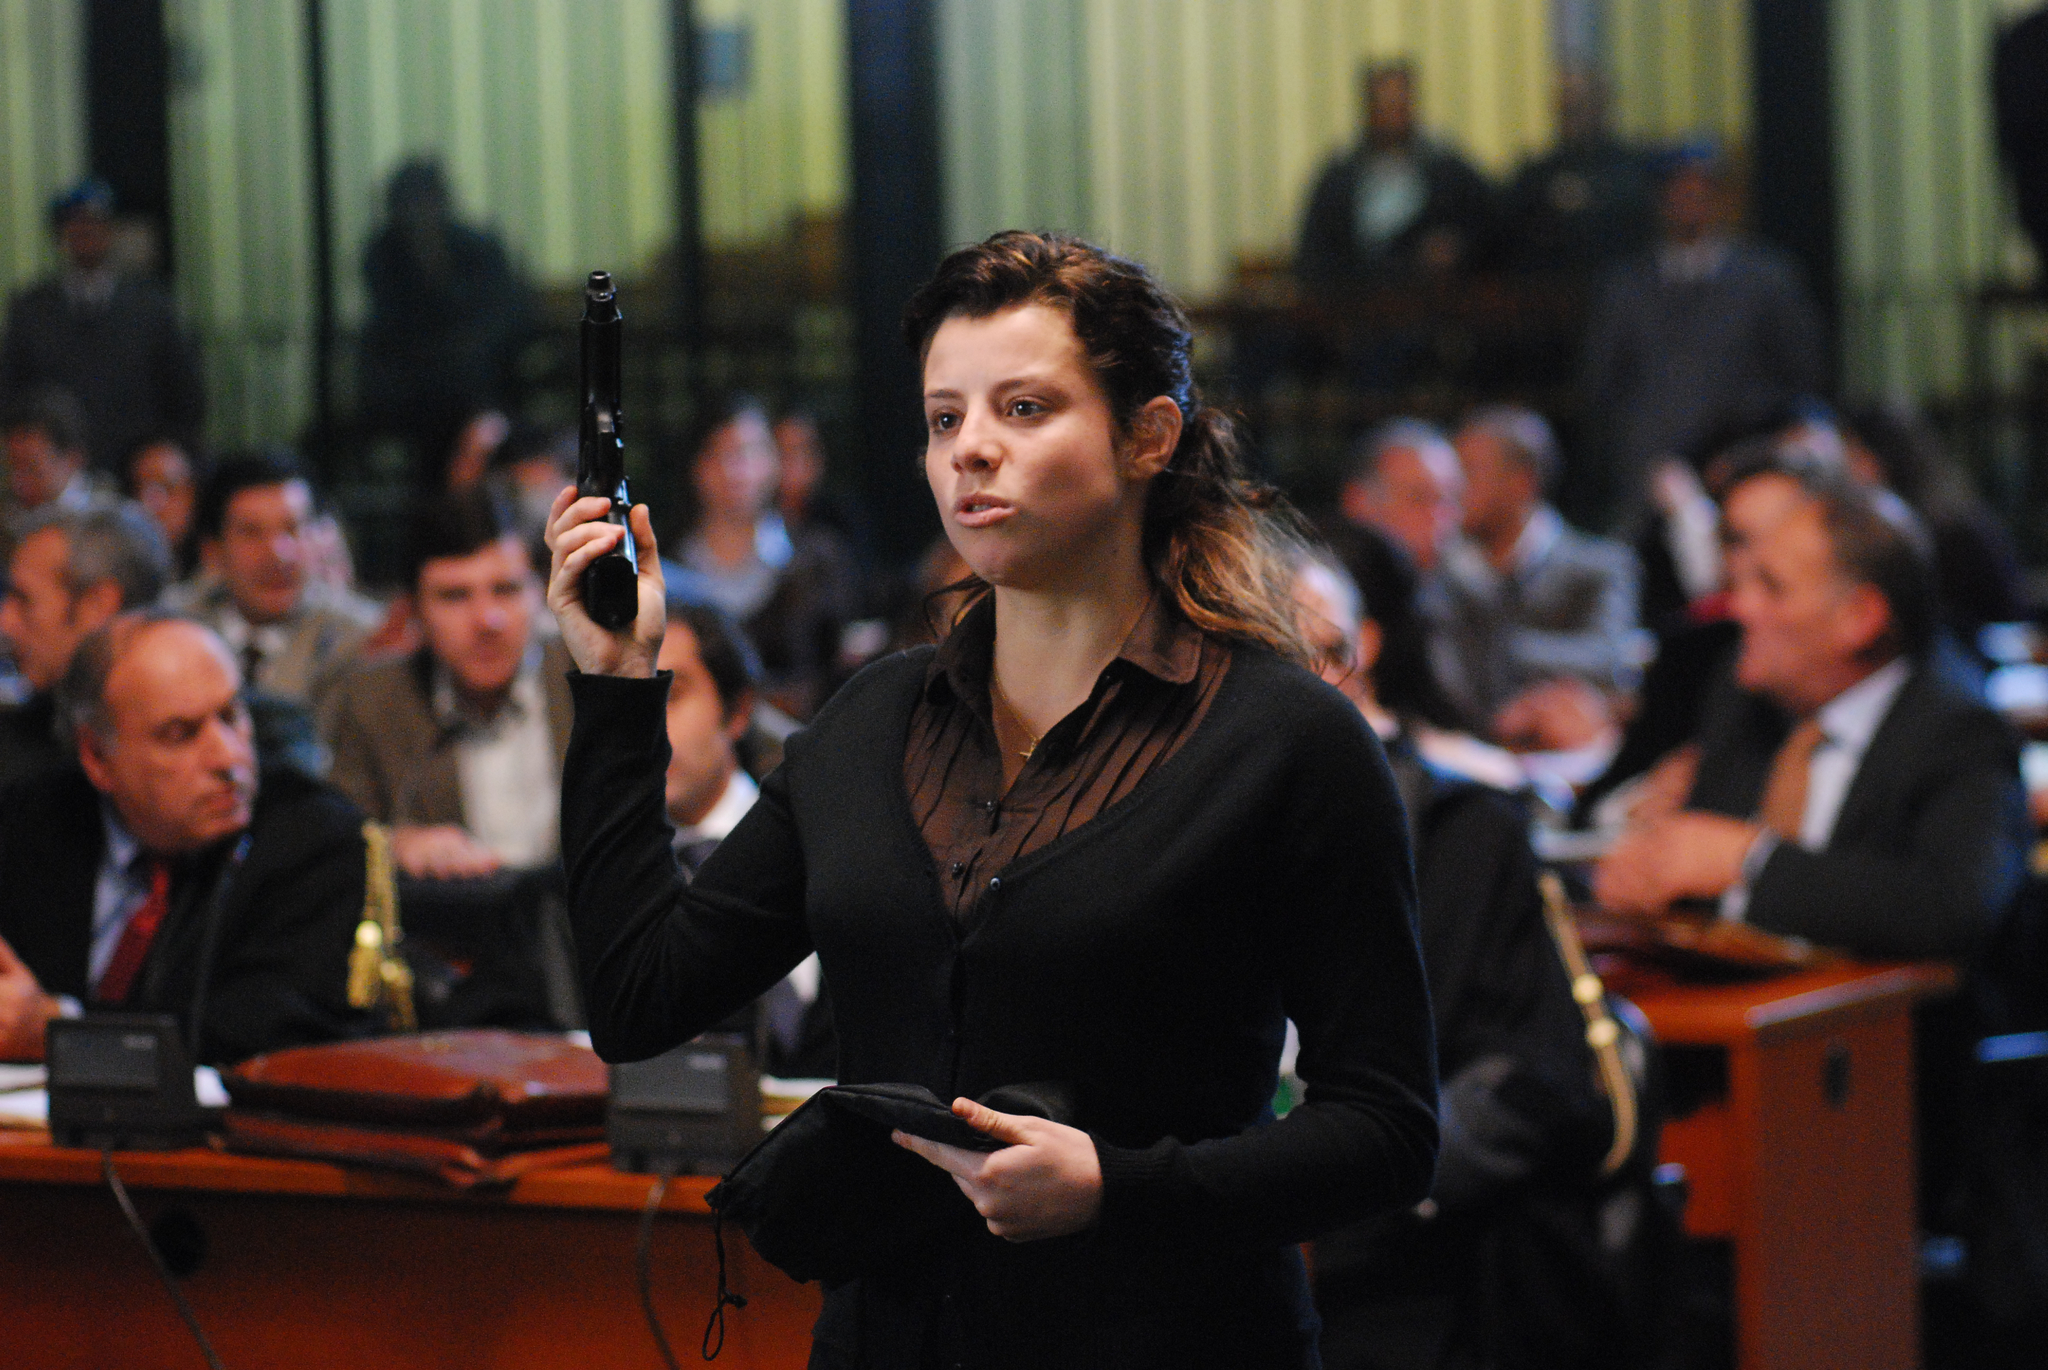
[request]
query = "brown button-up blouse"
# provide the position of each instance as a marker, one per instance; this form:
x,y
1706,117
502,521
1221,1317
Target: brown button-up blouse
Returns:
x,y
1145,704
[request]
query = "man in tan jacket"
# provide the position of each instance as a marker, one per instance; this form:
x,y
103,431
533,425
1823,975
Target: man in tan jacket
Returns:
x,y
459,746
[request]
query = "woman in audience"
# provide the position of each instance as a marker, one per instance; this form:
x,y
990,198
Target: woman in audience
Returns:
x,y
793,590
163,477
1110,834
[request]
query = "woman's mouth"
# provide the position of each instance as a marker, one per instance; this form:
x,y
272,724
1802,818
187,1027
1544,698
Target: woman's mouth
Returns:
x,y
982,511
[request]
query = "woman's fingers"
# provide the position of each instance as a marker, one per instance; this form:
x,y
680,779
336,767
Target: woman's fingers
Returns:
x,y
643,539
1004,1127
585,544
958,1162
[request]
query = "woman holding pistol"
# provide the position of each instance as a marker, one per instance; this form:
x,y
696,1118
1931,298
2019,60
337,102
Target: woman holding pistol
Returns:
x,y
1110,833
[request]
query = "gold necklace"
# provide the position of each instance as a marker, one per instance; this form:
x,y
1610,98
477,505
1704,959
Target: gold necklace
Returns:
x,y
1016,718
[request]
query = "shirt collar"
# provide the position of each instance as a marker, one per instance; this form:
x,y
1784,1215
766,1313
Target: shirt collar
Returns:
x,y
122,845
1539,535
523,698
1696,261
91,289
715,826
1851,718
1162,644
1465,561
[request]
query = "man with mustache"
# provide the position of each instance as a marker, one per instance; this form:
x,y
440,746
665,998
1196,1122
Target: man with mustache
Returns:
x,y
162,874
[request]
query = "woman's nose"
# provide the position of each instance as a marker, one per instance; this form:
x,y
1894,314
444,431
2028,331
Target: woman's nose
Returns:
x,y
976,448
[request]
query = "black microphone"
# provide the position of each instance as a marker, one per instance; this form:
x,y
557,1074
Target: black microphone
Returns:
x,y
611,586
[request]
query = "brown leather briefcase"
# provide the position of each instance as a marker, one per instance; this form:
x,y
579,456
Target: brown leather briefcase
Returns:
x,y
471,1106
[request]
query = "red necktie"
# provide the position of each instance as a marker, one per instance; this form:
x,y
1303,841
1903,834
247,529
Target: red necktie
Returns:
x,y
136,937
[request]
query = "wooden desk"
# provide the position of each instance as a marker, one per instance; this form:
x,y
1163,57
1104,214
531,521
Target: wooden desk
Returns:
x,y
1805,1161
309,1264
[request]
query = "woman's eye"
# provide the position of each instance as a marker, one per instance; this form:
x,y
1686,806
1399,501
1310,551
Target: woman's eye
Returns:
x,y
1026,409
944,422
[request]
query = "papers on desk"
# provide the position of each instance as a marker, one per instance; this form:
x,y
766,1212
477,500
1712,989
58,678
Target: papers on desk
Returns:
x,y
2019,691
25,1101
1568,846
21,1077
782,1097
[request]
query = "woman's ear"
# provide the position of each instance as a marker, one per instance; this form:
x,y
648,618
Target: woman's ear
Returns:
x,y
1155,433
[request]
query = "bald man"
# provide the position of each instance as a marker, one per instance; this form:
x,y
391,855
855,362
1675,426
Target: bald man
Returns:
x,y
163,874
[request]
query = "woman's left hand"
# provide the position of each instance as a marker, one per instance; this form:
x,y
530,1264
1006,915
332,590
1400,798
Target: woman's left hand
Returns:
x,y
1046,1183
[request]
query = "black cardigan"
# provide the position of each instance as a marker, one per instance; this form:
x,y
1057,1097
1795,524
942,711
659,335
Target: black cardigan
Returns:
x,y
1149,958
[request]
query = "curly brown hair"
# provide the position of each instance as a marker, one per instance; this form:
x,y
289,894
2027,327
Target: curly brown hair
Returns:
x,y
1217,542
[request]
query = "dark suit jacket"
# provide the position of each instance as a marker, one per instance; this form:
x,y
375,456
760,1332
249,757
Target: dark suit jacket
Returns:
x,y
1522,1122
130,365
28,740
2020,98
1330,251
393,757
1930,847
1404,676
1668,363
280,972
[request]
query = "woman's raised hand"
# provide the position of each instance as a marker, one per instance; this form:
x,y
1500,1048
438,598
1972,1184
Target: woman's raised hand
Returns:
x,y
578,535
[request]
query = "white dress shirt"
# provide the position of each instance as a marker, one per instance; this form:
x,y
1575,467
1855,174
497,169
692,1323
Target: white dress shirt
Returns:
x,y
1847,724
716,826
725,815
505,771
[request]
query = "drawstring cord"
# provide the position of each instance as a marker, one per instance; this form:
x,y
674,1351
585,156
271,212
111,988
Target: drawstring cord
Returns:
x,y
716,1327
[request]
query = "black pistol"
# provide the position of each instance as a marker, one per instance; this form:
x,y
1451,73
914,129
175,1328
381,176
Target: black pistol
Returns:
x,y
611,587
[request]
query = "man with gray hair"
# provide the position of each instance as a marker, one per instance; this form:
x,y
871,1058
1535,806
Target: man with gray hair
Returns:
x,y
1537,624
161,874
1397,511
71,571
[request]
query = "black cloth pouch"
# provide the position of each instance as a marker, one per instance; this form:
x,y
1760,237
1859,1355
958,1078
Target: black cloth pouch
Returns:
x,y
827,1196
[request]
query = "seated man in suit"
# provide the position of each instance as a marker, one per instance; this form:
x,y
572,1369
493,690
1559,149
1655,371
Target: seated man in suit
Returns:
x,y
1537,626
1397,510
71,571
714,675
711,694
163,875
292,632
459,746
1852,791
1523,1127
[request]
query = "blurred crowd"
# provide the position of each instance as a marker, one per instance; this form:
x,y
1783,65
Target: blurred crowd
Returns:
x,y
1758,683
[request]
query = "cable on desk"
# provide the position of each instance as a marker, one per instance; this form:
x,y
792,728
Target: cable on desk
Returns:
x,y
156,1259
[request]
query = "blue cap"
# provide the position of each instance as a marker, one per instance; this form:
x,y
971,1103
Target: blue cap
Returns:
x,y
90,196
1699,151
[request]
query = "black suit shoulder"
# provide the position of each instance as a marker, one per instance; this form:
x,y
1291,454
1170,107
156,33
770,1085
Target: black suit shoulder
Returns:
x,y
297,816
288,922
50,841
